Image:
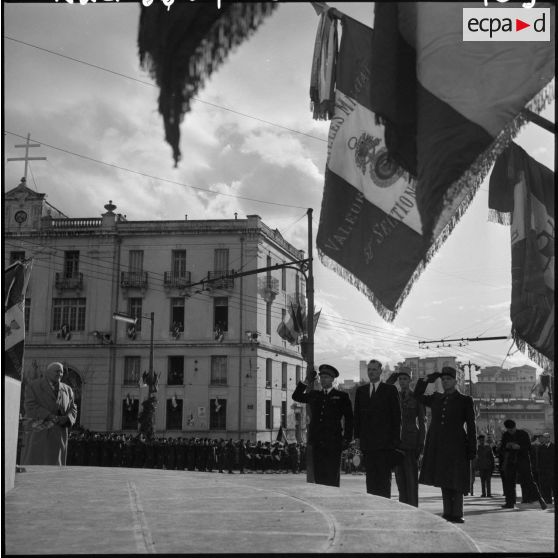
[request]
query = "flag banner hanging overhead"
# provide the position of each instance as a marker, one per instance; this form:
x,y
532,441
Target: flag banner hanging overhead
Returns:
x,y
369,228
16,277
182,46
521,194
451,106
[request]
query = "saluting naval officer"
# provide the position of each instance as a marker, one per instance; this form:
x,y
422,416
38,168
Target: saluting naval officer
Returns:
x,y
326,432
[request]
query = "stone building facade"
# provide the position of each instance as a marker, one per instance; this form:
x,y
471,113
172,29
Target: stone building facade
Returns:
x,y
223,369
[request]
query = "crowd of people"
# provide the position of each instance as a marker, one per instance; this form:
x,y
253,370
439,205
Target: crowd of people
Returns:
x,y
113,449
384,433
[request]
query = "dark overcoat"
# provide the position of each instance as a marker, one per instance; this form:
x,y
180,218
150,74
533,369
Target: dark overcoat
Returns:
x,y
49,446
377,418
327,411
449,446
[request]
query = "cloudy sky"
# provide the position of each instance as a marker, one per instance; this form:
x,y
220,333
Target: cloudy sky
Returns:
x,y
72,79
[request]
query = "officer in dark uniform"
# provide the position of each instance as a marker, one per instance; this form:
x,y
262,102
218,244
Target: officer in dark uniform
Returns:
x,y
413,432
451,441
325,432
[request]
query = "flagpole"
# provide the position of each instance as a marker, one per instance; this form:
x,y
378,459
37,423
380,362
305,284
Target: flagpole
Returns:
x,y
310,340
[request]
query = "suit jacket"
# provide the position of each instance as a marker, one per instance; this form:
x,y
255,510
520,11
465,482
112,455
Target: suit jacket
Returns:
x,y
327,411
50,446
378,418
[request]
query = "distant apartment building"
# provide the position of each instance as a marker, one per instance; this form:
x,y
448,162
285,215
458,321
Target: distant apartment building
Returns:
x,y
223,369
497,382
502,394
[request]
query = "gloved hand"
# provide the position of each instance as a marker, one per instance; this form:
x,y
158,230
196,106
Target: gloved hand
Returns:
x,y
310,375
392,378
430,378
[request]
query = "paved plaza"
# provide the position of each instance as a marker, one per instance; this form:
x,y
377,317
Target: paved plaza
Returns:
x,y
88,510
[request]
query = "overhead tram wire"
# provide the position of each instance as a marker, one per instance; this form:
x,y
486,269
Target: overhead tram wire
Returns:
x,y
146,175
156,285
154,85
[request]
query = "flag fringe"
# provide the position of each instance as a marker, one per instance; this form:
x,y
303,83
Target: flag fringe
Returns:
x,y
532,353
500,217
460,194
385,313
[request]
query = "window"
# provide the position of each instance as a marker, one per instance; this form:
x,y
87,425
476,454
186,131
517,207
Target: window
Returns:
x,y
217,414
177,314
268,318
221,259
130,410
268,372
135,260
70,312
268,413
175,371
71,263
221,313
16,257
135,310
178,263
284,414
174,414
283,375
219,370
298,374
27,313
284,278
132,370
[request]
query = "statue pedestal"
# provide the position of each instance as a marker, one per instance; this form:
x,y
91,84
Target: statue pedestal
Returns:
x,y
12,392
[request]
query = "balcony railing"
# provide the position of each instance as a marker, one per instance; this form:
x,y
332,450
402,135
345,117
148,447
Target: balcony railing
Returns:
x,y
133,279
74,281
177,280
220,282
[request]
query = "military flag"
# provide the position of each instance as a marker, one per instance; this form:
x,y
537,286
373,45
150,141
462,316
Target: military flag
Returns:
x,y
182,44
16,277
521,194
369,230
451,106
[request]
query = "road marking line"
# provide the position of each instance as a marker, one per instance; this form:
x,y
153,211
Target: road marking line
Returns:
x,y
142,534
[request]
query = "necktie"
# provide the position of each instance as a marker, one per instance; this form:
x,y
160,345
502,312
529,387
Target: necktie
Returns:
x,y
325,391
373,389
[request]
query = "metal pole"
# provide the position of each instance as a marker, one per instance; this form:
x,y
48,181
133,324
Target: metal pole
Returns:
x,y
151,378
310,341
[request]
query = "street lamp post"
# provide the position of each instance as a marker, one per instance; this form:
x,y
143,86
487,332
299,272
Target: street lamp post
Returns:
x,y
147,416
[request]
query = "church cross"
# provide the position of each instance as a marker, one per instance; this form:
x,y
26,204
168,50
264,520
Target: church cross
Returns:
x,y
27,145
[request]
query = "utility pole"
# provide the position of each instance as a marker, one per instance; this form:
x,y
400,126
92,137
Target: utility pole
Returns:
x,y
310,347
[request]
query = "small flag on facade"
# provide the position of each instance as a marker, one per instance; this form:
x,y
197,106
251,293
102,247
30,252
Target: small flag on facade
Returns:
x,y
16,278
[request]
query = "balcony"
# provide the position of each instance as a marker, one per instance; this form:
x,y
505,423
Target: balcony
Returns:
x,y
133,280
174,280
268,287
65,282
218,281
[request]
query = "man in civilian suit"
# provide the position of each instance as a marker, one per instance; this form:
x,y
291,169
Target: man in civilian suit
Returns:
x,y
326,432
50,405
377,429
